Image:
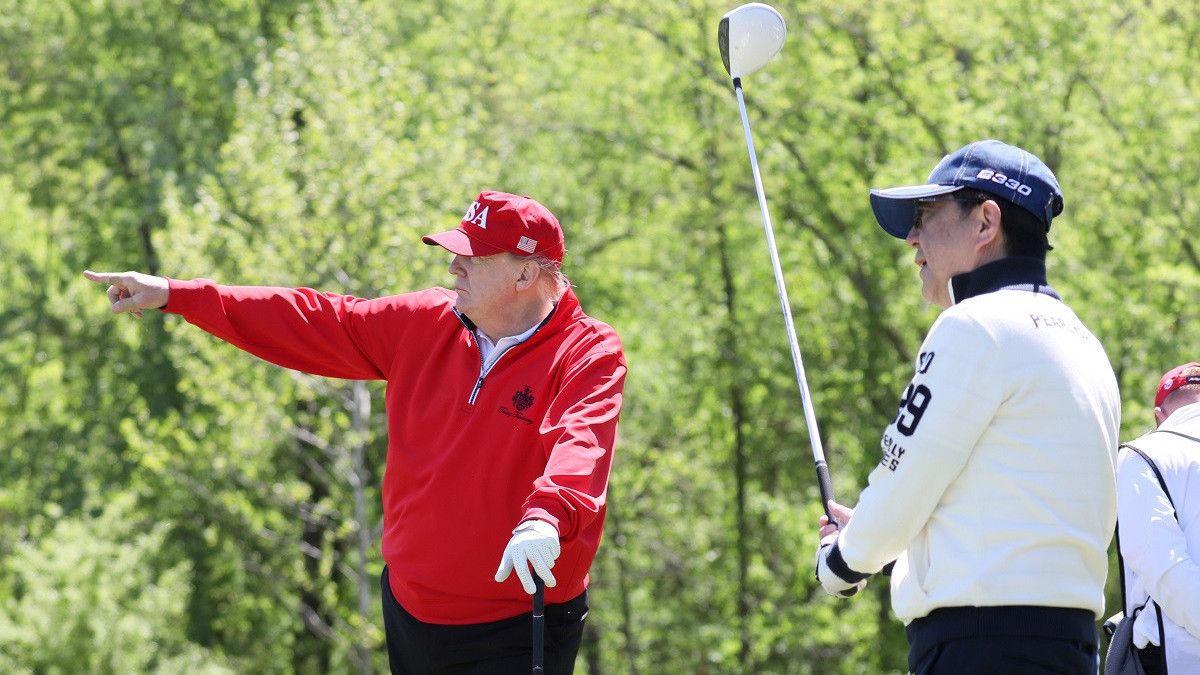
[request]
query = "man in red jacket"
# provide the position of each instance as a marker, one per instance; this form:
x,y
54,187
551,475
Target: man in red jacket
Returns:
x,y
502,405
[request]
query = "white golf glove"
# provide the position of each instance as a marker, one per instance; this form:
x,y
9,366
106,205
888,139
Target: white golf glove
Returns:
x,y
534,542
832,583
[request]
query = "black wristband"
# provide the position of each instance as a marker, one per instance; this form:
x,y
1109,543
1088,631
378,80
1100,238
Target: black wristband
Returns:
x,y
837,565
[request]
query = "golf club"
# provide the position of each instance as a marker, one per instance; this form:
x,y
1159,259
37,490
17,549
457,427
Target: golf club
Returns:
x,y
539,624
749,37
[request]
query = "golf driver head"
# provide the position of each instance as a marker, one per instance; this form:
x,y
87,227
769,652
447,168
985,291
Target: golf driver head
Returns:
x,y
749,37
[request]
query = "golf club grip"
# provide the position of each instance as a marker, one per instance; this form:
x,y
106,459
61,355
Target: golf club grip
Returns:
x,y
826,486
539,624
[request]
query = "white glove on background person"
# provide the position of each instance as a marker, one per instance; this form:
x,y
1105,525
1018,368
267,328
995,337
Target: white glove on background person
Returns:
x,y
534,542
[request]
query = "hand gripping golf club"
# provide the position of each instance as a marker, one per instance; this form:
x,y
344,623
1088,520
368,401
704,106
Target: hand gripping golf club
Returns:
x,y
539,624
749,37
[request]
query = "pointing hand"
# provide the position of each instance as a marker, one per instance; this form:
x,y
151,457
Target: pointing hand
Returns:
x,y
132,291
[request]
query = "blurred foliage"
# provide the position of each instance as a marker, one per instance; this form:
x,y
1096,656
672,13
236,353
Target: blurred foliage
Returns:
x,y
168,504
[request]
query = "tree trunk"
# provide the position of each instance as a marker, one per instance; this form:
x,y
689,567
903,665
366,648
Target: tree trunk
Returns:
x,y
360,419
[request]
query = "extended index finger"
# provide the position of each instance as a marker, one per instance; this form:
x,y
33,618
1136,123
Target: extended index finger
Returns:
x,y
840,511
103,277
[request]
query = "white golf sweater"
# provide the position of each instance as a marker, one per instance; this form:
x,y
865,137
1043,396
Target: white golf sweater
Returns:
x,y
1162,556
996,485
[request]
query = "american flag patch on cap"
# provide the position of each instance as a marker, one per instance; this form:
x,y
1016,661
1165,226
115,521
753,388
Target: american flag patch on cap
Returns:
x,y
526,244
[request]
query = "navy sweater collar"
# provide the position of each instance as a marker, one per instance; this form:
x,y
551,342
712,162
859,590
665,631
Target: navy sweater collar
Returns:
x,y
1011,273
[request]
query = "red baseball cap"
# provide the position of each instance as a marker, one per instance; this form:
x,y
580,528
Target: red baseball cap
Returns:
x,y
499,222
1179,376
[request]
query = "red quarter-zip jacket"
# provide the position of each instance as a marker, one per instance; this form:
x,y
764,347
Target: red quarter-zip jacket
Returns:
x,y
469,457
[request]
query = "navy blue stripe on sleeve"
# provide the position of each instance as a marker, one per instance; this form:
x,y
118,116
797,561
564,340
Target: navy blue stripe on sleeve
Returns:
x,y
838,566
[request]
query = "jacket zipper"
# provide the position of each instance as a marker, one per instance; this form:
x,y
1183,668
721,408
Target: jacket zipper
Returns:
x,y
472,328
475,391
479,380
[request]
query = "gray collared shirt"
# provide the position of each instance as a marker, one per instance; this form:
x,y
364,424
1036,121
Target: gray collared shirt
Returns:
x,y
492,351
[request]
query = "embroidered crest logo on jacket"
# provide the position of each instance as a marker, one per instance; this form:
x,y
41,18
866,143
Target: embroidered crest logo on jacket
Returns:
x,y
521,400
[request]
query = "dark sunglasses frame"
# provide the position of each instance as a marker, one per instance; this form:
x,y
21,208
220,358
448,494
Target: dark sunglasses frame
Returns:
x,y
968,196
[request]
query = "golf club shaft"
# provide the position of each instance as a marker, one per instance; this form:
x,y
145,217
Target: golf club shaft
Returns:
x,y
539,623
810,417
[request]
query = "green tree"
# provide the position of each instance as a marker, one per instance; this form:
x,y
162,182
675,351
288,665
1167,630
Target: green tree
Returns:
x,y
100,593
312,143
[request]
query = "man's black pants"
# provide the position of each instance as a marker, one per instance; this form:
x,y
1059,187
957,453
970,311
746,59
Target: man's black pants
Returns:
x,y
499,647
1003,641
1006,655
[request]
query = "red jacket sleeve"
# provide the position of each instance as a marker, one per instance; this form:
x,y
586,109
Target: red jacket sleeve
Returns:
x,y
579,432
318,333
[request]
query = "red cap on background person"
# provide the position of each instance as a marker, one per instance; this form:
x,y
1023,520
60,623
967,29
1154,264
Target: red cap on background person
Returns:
x,y
1175,379
499,222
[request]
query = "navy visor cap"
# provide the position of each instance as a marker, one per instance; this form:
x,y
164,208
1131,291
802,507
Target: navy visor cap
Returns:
x,y
991,166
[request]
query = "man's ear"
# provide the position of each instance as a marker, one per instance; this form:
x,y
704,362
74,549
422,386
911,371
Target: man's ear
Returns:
x,y
528,277
989,225
1159,415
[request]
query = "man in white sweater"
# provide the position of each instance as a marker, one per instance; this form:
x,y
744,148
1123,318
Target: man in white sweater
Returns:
x,y
995,493
1160,536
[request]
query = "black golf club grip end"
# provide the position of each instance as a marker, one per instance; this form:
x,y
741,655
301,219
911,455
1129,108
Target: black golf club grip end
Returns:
x,y
826,485
539,623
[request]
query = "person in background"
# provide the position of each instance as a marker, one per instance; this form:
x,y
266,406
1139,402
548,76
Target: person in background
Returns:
x,y
1160,540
